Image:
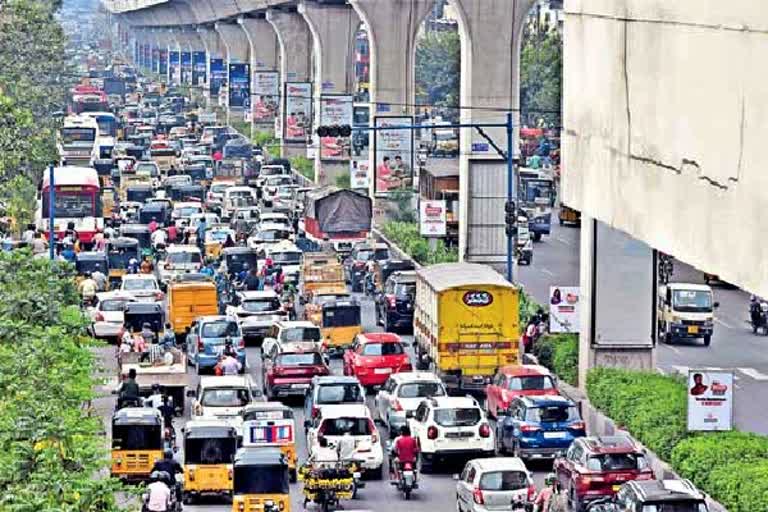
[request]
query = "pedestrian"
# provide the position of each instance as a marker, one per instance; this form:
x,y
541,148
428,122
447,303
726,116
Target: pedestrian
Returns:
x,y
172,233
202,226
38,244
153,225
29,234
98,240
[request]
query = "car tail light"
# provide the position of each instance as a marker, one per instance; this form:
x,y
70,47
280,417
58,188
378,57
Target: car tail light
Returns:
x,y
229,474
191,475
241,506
392,301
578,425
407,466
99,317
588,479
315,412
485,430
432,432
396,405
241,343
477,495
529,428
159,295
645,476
374,432
200,346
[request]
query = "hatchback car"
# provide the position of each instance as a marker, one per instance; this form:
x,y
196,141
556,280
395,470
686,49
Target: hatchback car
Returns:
x,y
107,315
517,380
222,397
596,467
256,311
538,427
374,357
493,484
142,287
292,332
179,259
394,307
332,390
402,393
207,339
290,373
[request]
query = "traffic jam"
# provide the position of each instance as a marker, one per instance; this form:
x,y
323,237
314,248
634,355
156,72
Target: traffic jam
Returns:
x,y
271,353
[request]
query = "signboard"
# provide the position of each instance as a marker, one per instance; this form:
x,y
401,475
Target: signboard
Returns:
x,y
155,59
336,110
147,56
564,308
186,67
239,85
218,76
198,68
360,174
163,62
174,66
298,111
432,218
710,400
266,95
393,150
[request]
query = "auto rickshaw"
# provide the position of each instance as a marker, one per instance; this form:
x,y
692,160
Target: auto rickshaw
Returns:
x,y
340,324
86,261
139,192
260,481
313,310
568,215
137,442
215,237
141,233
209,451
119,252
136,314
235,259
189,193
271,424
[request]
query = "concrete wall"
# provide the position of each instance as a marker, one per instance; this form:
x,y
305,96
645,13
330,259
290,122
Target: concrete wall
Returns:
x,y
665,111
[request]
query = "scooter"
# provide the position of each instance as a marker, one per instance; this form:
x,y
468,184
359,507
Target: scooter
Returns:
x,y
405,479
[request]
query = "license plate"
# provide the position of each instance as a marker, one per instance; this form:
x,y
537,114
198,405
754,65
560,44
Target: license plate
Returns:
x,y
693,329
554,435
299,386
616,488
382,371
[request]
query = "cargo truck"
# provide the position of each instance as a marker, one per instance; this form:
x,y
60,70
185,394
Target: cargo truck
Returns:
x,y
466,324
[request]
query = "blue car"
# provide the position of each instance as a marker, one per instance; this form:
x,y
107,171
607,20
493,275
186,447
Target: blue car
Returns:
x,y
538,427
207,338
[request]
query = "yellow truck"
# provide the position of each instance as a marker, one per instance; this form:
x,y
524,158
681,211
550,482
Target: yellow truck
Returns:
x,y
466,323
321,271
187,301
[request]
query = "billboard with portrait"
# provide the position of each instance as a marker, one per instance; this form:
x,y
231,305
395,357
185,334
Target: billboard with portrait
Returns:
x,y
297,116
336,110
393,150
266,96
239,85
710,400
218,76
186,67
198,68
564,309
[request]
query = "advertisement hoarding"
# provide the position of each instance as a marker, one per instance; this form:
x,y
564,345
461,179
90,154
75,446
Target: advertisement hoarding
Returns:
x,y
360,174
336,110
239,85
266,96
394,154
155,59
163,62
198,68
432,218
186,67
297,124
174,66
564,309
218,76
710,400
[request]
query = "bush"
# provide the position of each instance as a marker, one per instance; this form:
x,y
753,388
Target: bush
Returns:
x,y
242,127
406,236
344,180
528,308
263,139
303,166
559,353
740,486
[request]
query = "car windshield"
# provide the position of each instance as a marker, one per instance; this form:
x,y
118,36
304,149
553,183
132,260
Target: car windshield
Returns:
x,y
504,481
339,394
272,235
220,329
692,301
308,359
219,188
420,390
225,397
462,417
341,426
272,171
150,169
368,254
285,193
531,383
112,305
261,305
286,258
295,334
555,413
184,257
404,289
382,349
139,284
240,193
676,506
616,462
188,211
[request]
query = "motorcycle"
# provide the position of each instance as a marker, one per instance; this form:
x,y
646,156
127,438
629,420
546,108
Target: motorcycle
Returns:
x,y
759,316
174,485
405,479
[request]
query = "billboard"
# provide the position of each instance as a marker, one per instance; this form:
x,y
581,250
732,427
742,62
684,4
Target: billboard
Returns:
x,y
239,85
147,56
360,174
218,76
564,309
155,59
710,400
336,110
198,68
163,62
432,218
393,150
266,95
298,111
186,67
174,66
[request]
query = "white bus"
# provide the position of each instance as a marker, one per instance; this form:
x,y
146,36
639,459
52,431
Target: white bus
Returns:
x,y
77,141
107,123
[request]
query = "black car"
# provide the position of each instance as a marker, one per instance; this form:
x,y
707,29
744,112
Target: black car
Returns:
x,y
642,495
394,307
354,266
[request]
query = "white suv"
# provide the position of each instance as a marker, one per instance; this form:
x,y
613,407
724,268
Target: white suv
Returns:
x,y
403,392
449,427
298,333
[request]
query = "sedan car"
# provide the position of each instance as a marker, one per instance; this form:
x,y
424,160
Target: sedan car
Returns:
x,y
142,287
374,357
107,315
290,373
402,393
207,338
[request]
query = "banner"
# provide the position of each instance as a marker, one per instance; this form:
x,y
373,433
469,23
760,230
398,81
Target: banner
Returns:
x,y
198,68
336,110
239,85
266,95
163,62
360,174
136,52
432,218
147,56
298,111
564,309
155,60
186,67
218,76
174,66
394,154
710,400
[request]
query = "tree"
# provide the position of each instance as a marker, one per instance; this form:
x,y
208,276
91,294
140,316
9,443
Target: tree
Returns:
x,y
438,63
541,75
19,194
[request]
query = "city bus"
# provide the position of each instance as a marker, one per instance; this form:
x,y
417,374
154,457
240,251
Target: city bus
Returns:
x,y
78,200
537,197
77,141
107,123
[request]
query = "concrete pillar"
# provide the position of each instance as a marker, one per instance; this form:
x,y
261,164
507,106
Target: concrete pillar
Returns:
x,y
190,42
295,42
237,52
264,56
158,46
333,30
392,27
214,51
491,33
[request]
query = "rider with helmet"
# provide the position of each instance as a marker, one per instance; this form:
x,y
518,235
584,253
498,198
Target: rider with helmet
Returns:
x,y
158,497
171,468
545,495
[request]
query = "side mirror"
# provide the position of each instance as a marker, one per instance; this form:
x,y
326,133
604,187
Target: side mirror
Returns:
x,y
191,393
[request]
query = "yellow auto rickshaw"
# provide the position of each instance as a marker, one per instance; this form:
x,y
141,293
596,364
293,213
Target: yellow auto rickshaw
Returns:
x,y
271,424
340,324
313,309
119,252
137,442
209,451
215,237
260,481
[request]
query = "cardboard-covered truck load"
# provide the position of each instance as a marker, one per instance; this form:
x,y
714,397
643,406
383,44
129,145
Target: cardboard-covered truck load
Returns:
x,y
466,323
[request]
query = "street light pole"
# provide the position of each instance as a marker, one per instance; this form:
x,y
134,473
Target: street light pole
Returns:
x,y
511,237
51,212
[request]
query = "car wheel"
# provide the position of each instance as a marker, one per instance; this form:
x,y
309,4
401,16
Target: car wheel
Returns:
x,y
425,464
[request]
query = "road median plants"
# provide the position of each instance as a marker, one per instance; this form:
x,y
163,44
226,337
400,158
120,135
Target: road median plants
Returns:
x,y
406,236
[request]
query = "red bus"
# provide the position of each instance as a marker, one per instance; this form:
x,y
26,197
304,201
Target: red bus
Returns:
x,y
88,98
78,200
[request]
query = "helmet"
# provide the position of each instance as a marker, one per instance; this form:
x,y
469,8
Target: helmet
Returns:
x,y
155,388
550,479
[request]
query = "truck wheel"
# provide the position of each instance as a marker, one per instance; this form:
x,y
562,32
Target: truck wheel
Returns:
x,y
707,340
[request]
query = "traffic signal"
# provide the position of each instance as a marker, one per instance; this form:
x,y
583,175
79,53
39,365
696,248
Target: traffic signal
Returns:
x,y
510,218
335,130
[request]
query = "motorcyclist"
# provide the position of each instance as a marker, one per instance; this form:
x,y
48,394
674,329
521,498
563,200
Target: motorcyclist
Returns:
x,y
100,278
252,281
129,390
88,288
158,493
133,266
324,454
155,400
405,449
168,340
542,502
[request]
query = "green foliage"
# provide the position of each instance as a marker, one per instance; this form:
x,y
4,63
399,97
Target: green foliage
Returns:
x,y
403,210
19,195
559,353
528,308
541,75
742,486
242,127
263,139
438,62
344,180
303,166
406,236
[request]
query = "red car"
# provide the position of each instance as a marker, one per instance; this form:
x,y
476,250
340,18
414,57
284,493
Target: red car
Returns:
x,y
374,357
517,380
290,373
595,467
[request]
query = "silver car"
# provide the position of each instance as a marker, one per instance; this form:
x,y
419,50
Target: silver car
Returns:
x,y
401,393
493,484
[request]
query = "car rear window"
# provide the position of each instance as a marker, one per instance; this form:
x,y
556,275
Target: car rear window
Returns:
x,y
261,305
300,334
339,394
531,382
309,359
382,349
677,506
220,329
552,414
403,289
184,257
341,426
504,481
420,390
113,305
616,462
463,417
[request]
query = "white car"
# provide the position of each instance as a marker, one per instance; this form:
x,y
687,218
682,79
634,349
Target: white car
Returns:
x,y
107,315
210,219
256,312
179,259
336,421
223,398
215,197
269,234
493,484
271,186
238,197
276,218
186,209
289,257
142,287
271,170
402,393
293,331
450,426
